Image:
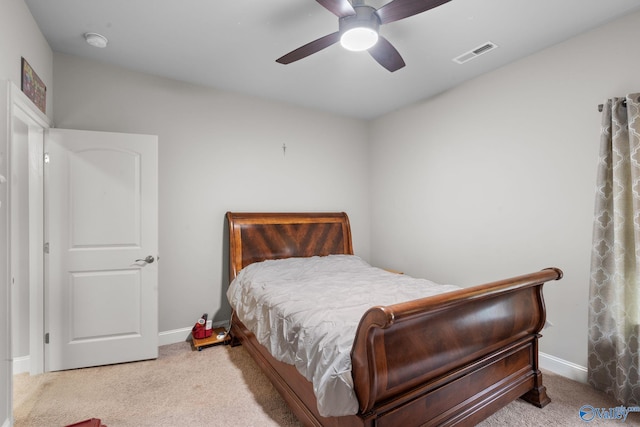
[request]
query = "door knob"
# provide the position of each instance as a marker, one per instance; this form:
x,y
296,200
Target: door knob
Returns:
x,y
149,259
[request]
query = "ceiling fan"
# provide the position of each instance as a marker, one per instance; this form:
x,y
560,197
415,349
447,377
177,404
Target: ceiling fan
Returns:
x,y
358,26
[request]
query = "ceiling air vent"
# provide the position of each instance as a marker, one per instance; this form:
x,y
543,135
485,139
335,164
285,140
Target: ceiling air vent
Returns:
x,y
468,56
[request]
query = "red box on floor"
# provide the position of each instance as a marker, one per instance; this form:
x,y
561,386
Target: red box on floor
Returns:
x,y
93,422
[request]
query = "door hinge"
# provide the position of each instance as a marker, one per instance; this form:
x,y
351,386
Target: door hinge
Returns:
x,y
46,338
46,158
46,248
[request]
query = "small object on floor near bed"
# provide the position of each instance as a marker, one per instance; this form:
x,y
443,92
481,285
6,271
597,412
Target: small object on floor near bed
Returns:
x,y
202,328
219,336
92,422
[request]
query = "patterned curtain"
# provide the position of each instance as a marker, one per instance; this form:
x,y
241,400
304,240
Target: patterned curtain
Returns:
x,y
614,299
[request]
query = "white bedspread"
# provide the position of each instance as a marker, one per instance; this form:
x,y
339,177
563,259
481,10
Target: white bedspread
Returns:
x,y
305,311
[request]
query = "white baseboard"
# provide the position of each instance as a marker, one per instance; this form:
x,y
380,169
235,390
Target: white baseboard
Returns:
x,y
173,336
181,335
6,423
21,364
562,367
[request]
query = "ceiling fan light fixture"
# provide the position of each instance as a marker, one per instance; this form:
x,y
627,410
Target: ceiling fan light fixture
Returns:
x,y
359,39
360,31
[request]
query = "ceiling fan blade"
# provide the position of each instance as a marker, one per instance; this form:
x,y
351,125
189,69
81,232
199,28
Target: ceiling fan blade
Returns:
x,y
386,55
400,9
309,48
339,8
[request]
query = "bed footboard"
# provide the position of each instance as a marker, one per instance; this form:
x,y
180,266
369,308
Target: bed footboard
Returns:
x,y
460,355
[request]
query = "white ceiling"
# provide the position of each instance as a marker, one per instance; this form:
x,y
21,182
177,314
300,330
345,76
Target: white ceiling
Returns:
x,y
233,45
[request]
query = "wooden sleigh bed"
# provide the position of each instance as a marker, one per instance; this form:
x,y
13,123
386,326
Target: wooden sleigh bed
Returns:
x,y
450,359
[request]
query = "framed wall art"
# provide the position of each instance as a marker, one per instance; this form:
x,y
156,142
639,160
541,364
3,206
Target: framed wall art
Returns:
x,y
33,86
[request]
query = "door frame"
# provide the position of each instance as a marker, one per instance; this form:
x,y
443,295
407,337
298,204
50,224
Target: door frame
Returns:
x,y
22,108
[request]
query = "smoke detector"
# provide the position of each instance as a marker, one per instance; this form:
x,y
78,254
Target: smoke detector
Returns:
x,y
96,40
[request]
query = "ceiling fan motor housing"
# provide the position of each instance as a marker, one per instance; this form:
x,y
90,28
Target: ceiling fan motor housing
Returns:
x,y
365,17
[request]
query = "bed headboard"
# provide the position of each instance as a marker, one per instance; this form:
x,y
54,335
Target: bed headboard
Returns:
x,y
255,237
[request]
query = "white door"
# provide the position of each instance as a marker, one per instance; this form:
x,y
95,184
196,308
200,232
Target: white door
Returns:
x,y
101,226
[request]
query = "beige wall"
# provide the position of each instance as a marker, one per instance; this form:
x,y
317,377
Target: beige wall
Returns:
x,y
496,177
218,151
21,37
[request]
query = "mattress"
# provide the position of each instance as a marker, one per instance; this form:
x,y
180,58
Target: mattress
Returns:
x,y
306,311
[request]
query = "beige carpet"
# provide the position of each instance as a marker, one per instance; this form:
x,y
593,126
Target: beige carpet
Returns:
x,y
221,386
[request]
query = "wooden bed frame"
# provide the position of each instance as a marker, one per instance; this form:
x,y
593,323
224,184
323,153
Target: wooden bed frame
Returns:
x,y
451,359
